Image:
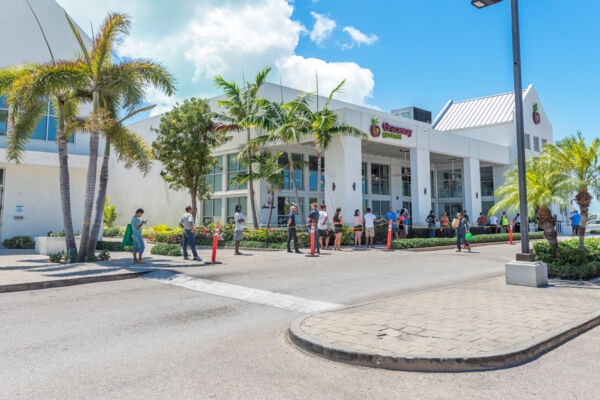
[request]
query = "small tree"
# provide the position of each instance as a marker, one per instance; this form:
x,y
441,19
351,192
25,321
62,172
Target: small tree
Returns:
x,y
187,135
110,213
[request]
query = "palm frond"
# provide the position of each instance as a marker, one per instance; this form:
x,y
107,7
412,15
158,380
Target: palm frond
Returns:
x,y
114,26
24,125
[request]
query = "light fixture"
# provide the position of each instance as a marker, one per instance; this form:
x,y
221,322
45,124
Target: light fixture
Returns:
x,y
484,3
476,195
425,191
354,186
333,186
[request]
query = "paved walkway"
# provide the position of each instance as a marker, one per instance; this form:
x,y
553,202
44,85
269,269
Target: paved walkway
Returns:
x,y
483,325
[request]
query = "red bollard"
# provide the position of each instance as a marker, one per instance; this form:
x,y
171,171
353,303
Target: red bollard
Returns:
x,y
511,232
389,243
312,241
215,243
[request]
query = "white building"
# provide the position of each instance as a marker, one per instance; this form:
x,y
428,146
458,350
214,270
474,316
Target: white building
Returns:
x,y
453,163
29,192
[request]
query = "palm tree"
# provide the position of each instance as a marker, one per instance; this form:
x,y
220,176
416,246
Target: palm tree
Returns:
x,y
241,105
269,169
545,186
104,78
581,164
325,127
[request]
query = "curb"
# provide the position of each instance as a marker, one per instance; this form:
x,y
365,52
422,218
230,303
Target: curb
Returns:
x,y
19,287
479,362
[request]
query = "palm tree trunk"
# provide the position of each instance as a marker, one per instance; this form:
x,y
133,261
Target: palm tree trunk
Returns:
x,y
90,186
194,196
65,185
251,185
548,223
271,208
293,180
100,200
583,199
319,177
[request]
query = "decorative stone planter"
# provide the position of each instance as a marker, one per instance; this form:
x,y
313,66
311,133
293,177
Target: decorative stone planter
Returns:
x,y
525,273
49,245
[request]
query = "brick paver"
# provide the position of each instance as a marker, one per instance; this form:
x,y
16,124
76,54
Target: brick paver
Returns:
x,y
478,319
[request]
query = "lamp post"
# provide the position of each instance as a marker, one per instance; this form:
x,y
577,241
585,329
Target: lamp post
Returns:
x,y
525,253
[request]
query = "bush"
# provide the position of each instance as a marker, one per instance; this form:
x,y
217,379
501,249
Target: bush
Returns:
x,y
437,241
111,232
166,250
128,249
568,261
109,246
56,257
589,270
91,258
104,255
19,242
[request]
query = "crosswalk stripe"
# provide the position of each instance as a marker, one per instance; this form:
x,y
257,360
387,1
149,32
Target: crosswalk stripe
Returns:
x,y
242,293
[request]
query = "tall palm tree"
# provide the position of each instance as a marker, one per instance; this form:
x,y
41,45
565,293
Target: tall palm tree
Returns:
x,y
239,106
104,78
269,169
580,162
325,127
545,186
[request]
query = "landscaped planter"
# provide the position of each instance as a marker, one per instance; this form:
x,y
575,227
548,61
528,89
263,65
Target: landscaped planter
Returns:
x,y
49,245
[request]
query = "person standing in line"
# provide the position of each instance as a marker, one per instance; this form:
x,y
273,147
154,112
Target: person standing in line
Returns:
x,y
504,222
402,223
444,224
393,217
431,220
313,218
466,216
406,222
369,219
338,226
292,234
322,227
238,233
493,223
517,223
187,223
461,231
358,229
482,222
136,236
575,221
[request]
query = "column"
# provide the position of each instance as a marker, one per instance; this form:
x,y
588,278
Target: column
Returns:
x,y
420,185
343,179
472,187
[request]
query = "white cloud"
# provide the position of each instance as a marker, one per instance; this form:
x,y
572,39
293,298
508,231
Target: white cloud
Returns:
x,y
322,29
358,38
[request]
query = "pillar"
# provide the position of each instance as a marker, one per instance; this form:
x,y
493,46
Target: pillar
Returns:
x,y
472,187
420,185
343,159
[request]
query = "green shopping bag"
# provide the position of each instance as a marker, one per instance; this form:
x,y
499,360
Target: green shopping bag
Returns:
x,y
469,236
127,240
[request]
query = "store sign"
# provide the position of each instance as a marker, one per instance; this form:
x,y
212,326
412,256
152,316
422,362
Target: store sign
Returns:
x,y
536,115
388,130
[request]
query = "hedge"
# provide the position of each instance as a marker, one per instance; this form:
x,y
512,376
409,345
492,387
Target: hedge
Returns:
x,y
568,262
167,250
19,242
434,242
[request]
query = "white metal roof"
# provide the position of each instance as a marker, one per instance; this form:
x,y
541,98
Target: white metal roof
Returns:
x,y
483,111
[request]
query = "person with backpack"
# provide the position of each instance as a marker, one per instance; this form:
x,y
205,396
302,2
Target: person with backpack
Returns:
x,y
462,226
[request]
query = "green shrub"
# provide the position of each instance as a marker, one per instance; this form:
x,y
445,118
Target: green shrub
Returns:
x,y
57,257
595,232
109,246
589,270
58,234
128,249
568,261
104,255
110,213
91,258
111,232
19,242
166,250
434,242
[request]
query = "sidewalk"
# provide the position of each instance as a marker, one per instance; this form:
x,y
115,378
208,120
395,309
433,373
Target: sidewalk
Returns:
x,y
477,326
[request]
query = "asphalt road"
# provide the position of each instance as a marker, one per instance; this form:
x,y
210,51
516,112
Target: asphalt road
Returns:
x,y
146,339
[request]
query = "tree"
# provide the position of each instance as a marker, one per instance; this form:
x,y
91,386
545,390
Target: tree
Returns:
x,y
241,105
269,169
126,79
187,135
110,213
545,186
580,162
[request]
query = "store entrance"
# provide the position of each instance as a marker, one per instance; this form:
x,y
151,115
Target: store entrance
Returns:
x,y
451,208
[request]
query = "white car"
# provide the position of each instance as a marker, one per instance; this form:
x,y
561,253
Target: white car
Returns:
x,y
593,225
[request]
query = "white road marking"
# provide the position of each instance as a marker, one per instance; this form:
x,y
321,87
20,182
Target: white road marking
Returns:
x,y
243,293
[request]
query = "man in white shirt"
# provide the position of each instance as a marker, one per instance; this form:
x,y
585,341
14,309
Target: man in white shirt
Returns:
x,y
493,221
189,237
370,219
322,227
238,233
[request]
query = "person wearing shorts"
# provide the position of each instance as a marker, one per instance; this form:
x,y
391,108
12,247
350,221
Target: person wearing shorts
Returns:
x,y
238,233
358,229
369,219
322,228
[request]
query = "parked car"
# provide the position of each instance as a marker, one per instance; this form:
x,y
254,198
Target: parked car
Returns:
x,y
593,226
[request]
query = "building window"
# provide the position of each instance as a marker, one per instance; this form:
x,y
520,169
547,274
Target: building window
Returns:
x,y
432,185
380,179
406,181
298,171
231,203
544,141
527,142
486,205
283,209
364,178
312,173
215,177
211,211
380,207
3,116
536,143
487,181
235,166
449,183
